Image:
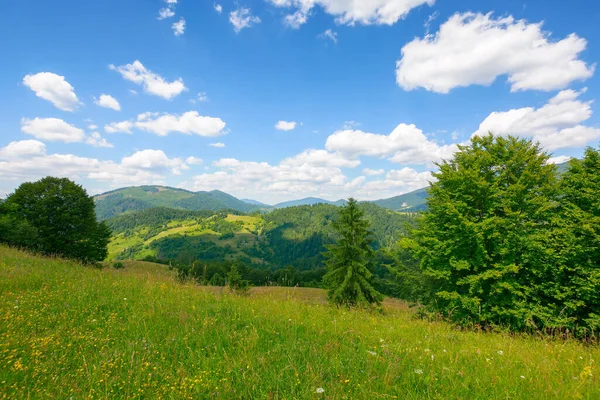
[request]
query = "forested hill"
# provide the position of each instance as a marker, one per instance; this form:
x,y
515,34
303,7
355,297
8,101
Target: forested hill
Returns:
x,y
139,198
289,237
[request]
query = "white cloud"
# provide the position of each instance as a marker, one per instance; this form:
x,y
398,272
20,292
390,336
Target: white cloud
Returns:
x,y
218,8
23,148
53,88
396,182
555,125
52,129
350,12
193,160
372,172
285,125
558,159
171,2
165,13
329,34
406,144
92,127
151,160
189,123
202,96
96,140
179,27
320,158
107,101
474,48
217,144
114,127
151,82
242,18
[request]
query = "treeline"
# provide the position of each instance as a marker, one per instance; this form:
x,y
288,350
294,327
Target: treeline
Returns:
x,y
507,241
54,216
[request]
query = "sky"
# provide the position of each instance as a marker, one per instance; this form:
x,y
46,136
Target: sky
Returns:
x,y
276,100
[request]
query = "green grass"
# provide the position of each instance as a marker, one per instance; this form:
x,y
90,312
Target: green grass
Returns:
x,y
68,331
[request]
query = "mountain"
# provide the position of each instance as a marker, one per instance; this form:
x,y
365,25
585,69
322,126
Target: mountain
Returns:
x,y
308,201
413,201
256,203
120,201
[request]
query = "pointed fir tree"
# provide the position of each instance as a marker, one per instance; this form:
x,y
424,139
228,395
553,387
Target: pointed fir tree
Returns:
x,y
349,261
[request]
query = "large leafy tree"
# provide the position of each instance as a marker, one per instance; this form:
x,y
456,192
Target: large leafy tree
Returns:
x,y
349,261
484,240
574,284
63,215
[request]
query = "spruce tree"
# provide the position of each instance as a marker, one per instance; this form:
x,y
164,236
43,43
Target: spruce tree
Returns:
x,y
349,261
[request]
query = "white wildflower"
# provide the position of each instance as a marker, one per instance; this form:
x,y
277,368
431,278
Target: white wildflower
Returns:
x,y
320,390
371,352
522,377
419,371
500,352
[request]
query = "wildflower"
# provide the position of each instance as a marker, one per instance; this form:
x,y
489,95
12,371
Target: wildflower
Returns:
x,y
427,350
320,390
419,371
522,377
125,298
371,352
500,352
432,357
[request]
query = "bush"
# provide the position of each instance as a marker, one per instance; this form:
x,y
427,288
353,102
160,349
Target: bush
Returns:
x,y
118,265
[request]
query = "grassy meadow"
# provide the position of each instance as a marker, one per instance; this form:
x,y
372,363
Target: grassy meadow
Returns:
x,y
68,331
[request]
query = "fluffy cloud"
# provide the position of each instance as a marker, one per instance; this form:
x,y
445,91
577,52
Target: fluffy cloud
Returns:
x,y
114,127
406,144
23,148
151,159
350,12
372,172
555,125
179,27
218,8
96,140
319,158
329,34
53,88
151,82
52,129
396,182
285,125
475,49
189,123
217,144
166,12
108,101
193,160
242,18
558,159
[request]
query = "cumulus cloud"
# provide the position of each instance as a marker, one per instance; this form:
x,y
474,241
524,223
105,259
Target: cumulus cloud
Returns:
x,y
123,127
475,49
53,88
217,144
396,182
151,82
193,160
96,140
107,101
351,12
23,148
406,144
242,18
165,13
189,123
179,27
52,130
218,8
329,34
372,172
555,125
558,159
285,125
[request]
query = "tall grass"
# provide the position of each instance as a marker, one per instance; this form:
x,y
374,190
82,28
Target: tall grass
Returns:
x,y
68,331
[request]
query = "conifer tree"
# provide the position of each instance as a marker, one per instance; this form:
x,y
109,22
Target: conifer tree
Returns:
x,y
349,261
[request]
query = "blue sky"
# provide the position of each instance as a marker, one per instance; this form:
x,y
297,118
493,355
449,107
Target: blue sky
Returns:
x,y
376,91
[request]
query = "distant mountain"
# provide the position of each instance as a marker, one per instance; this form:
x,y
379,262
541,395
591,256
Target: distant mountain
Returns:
x,y
308,201
256,203
139,198
413,201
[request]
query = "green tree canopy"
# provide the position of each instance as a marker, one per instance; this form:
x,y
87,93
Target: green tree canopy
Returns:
x,y
484,239
63,215
349,261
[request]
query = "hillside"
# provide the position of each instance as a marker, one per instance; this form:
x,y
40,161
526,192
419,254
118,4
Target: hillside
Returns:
x,y
139,198
76,332
294,236
413,201
308,201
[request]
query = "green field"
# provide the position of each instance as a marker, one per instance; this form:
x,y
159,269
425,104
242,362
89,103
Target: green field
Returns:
x,y
68,331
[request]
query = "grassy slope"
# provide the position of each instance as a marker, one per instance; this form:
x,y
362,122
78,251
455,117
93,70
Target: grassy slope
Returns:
x,y
68,331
